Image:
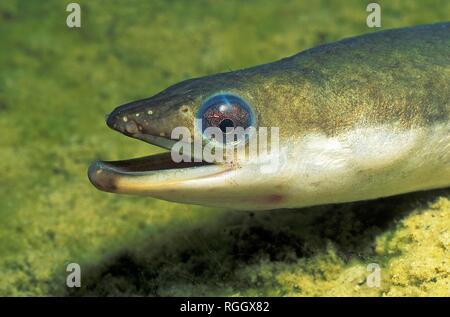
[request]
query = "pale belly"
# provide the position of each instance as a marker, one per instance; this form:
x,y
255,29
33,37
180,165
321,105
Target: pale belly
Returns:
x,y
367,163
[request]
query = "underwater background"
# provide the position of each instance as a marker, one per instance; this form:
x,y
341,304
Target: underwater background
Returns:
x,y
57,84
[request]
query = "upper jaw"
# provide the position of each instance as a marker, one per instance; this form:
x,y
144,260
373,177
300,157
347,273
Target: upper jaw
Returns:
x,y
117,119
156,140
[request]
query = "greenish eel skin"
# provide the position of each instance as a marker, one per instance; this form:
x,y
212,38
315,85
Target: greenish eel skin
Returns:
x,y
358,119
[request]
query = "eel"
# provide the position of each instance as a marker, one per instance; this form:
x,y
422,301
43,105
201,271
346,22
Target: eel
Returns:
x,y
357,119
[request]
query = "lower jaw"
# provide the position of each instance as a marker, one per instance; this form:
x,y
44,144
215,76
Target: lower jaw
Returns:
x,y
146,174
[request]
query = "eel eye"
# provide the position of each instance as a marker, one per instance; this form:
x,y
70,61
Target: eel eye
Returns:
x,y
226,112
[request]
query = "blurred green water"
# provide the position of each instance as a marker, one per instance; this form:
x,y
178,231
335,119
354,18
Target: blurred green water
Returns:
x,y
56,85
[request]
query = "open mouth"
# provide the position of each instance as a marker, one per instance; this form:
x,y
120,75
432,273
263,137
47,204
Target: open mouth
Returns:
x,y
157,162
142,174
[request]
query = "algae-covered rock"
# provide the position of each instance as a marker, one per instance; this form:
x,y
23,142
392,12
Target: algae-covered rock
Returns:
x,y
321,251
56,85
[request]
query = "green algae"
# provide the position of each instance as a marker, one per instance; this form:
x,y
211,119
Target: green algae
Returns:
x,y
56,85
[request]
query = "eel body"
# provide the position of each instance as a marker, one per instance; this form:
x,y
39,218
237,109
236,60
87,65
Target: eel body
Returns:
x,y
361,118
